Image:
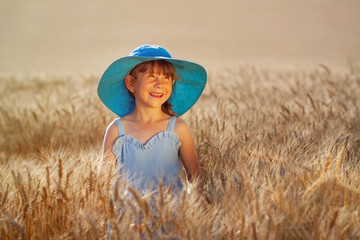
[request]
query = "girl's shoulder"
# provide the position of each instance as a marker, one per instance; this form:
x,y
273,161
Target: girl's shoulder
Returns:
x,y
182,129
112,128
180,124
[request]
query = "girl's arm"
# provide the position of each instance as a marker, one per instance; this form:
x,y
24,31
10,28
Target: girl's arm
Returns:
x,y
188,155
108,157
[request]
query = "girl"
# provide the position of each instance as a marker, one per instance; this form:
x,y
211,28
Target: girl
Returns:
x,y
148,90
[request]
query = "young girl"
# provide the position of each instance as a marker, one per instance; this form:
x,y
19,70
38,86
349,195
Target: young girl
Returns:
x,y
148,90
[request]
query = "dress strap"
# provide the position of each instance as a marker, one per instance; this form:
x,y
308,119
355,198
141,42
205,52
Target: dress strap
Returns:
x,y
171,125
120,126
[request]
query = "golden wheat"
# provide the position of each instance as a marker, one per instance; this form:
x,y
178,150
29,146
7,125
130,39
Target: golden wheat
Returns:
x,y
279,150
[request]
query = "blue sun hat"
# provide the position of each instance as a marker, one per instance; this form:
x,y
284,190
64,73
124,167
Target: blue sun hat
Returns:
x,y
190,83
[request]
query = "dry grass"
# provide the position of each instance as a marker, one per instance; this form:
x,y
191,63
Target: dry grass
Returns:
x,y
279,150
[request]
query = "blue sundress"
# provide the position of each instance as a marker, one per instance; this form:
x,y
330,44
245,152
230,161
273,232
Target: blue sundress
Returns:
x,y
146,165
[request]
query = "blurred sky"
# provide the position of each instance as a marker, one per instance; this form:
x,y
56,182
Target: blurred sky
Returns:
x,y
79,35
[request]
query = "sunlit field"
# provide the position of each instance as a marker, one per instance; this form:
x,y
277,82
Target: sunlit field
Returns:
x,y
279,151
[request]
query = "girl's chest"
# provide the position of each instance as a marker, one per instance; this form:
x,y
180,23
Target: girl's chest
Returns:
x,y
145,133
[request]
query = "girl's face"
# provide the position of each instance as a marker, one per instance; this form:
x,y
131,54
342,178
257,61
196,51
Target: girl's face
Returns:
x,y
150,88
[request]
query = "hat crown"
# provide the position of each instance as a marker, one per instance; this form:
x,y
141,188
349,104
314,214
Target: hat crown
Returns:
x,y
150,51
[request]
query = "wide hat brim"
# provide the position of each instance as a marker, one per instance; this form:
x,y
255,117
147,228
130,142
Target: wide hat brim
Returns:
x,y
190,83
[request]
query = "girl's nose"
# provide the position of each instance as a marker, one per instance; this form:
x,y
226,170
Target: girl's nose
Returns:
x,y
158,82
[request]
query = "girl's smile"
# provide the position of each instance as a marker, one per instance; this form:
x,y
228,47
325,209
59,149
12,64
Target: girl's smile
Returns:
x,y
156,95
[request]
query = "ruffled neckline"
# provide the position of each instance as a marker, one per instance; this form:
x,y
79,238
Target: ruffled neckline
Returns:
x,y
149,144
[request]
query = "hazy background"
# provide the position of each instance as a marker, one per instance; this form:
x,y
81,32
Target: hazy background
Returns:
x,y
86,36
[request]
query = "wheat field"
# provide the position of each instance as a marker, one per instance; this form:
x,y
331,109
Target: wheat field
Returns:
x,y
279,150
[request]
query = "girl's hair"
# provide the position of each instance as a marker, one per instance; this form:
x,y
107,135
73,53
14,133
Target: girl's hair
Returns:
x,y
165,68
